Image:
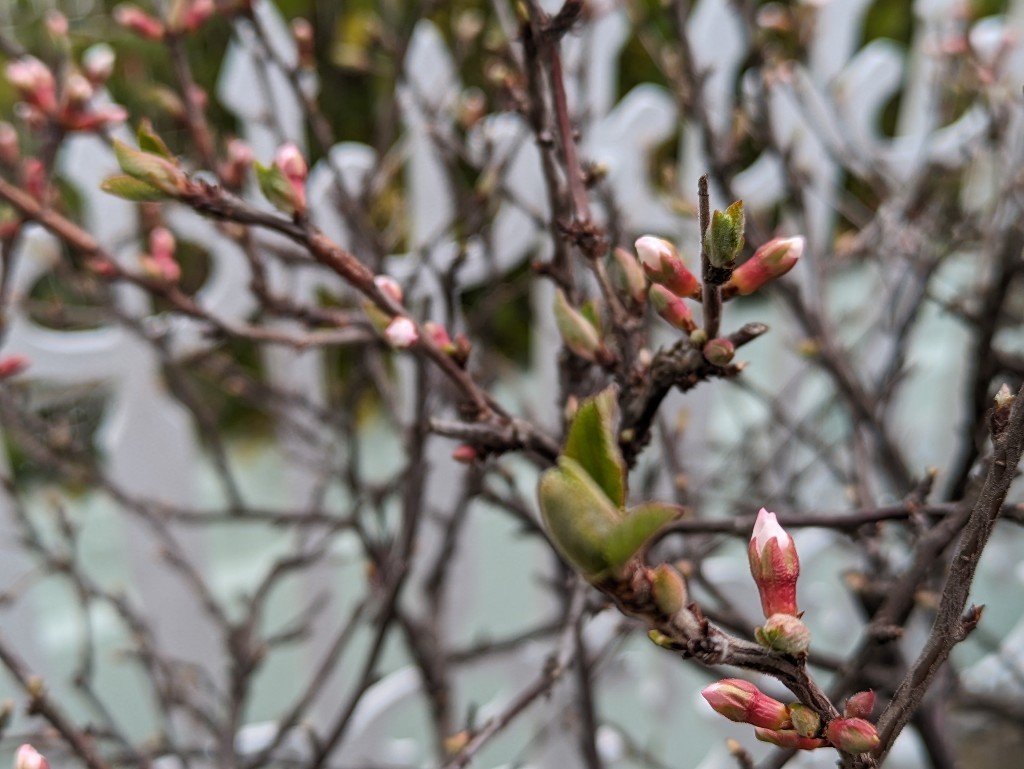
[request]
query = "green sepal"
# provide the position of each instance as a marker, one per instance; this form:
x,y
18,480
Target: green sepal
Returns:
x,y
723,240
153,169
634,531
130,188
592,441
578,332
578,516
275,187
150,141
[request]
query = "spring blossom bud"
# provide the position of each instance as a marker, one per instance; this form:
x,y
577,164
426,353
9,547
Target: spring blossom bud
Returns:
x,y
774,565
741,701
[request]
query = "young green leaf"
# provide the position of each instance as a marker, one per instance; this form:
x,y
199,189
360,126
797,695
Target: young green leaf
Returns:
x,y
634,531
150,141
130,188
593,443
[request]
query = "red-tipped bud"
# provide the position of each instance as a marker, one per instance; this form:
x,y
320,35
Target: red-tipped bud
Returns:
x,y
401,332
28,757
663,265
439,335
774,565
772,260
160,263
741,701
12,365
860,705
465,454
33,178
196,14
719,351
133,18
671,308
788,738
852,735
34,82
389,287
784,633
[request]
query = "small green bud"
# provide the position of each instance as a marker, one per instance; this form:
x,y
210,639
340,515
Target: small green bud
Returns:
x,y
805,721
719,351
784,633
628,278
723,240
578,333
668,589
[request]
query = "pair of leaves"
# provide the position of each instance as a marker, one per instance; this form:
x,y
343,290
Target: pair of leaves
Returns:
x,y
583,498
151,171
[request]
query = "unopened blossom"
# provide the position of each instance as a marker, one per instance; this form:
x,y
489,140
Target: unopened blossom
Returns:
x,y
742,701
401,332
663,265
774,565
852,735
772,260
28,757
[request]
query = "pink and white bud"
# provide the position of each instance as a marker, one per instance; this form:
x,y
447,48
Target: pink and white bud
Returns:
x,y
860,705
77,90
671,308
741,701
56,24
389,287
98,63
12,365
160,262
291,163
439,335
10,146
133,18
401,332
663,265
852,735
28,757
774,565
34,82
772,260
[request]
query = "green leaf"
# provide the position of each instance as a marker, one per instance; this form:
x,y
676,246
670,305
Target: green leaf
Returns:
x,y
577,515
130,188
150,141
275,187
724,238
636,529
593,443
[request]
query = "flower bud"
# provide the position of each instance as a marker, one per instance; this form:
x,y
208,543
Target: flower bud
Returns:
x,y
305,42
772,260
77,90
805,721
577,331
466,454
133,18
774,565
28,757
439,336
784,633
671,308
668,589
723,240
627,276
788,738
12,365
34,82
289,159
196,14
401,332
98,63
10,147
860,705
719,351
741,701
663,265
389,287
852,735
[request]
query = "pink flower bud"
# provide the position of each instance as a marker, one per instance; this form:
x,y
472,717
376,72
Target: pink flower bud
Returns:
x,y
138,21
465,454
852,735
56,24
196,14
671,308
291,163
305,43
719,351
160,263
77,90
860,705
10,147
663,265
439,335
401,332
12,365
28,757
741,701
772,260
161,243
774,565
34,82
389,287
788,738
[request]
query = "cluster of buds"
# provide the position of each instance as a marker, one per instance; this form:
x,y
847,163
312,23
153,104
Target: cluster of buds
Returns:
x,y
184,16
74,109
160,262
775,567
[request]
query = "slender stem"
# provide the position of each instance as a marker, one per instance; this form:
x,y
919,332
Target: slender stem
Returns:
x,y
712,293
